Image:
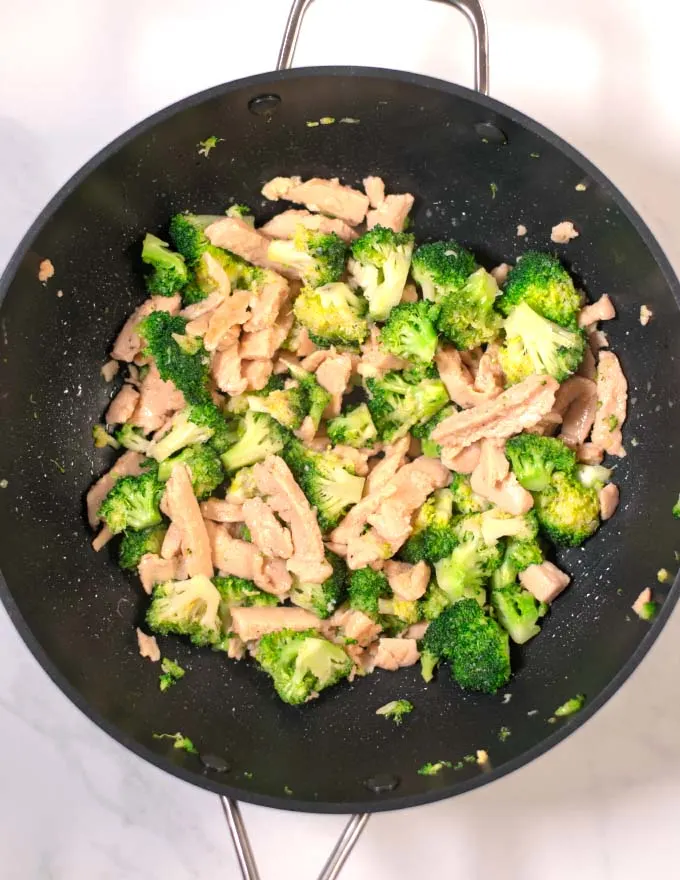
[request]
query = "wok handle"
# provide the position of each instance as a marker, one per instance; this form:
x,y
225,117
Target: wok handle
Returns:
x,y
246,859
471,9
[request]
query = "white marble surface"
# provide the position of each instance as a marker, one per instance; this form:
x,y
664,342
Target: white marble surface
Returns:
x,y
73,804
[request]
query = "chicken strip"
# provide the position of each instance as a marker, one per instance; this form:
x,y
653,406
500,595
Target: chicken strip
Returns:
x,y
285,225
602,310
185,513
148,646
391,213
122,406
544,581
256,373
232,312
158,400
355,625
463,462
322,196
609,500
268,301
128,343
334,375
408,582
226,370
267,533
576,402
492,480
235,235
386,467
612,393
128,465
461,386
392,654
250,624
222,511
375,190
205,306
153,569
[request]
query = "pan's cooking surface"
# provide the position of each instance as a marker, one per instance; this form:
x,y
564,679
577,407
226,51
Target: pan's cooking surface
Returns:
x,y
420,136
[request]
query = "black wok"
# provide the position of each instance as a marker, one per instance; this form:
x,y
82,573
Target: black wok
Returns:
x,y
77,611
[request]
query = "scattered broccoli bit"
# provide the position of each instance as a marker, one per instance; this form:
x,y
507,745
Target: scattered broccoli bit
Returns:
x,y
399,401
663,575
181,741
396,709
205,469
504,733
301,663
204,147
319,257
441,268
676,509
568,511
169,273
366,588
534,459
134,545
187,608
380,266
323,599
102,438
133,503
333,315
535,345
354,427
189,372
171,673
575,704
431,769
133,439
242,211
259,435
540,282
467,317
409,332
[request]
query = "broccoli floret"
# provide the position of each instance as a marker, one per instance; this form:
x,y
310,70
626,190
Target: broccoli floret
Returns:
x,y
187,608
190,426
380,266
316,397
648,611
472,642
539,281
333,315
238,592
205,468
260,436
568,511
409,332
441,268
133,503
467,317
518,612
396,615
535,345
398,401
301,663
276,382
319,257
329,483
134,545
423,431
594,475
354,428
288,407
187,232
169,273
242,211
189,372
534,459
465,500
430,544
433,602
133,438
171,673
395,710
436,511
366,588
464,572
102,438
323,599
243,485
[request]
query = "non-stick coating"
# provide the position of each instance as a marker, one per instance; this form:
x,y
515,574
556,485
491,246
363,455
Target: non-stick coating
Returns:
x,y
77,610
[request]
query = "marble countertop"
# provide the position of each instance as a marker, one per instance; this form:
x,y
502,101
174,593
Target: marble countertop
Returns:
x,y
73,803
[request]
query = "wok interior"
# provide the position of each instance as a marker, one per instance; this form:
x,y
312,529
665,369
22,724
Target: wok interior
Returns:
x,y
82,610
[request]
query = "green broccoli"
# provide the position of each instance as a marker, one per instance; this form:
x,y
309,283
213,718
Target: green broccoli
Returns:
x,y
187,608
465,500
354,427
676,509
187,232
464,572
518,612
433,602
573,705
594,475
205,468
648,611
301,663
102,438
316,397
190,426
432,768
134,545
328,481
169,273
519,554
535,345
432,537
318,257
409,332
568,511
399,401
441,268
238,592
132,503
380,263
180,742
323,599
242,211
423,431
396,615
366,588
534,459
396,709
333,315
539,281
171,674
133,438
260,436
189,372
288,407
467,317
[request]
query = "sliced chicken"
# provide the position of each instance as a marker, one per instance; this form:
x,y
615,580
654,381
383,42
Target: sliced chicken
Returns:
x,y
563,232
322,196
368,549
256,373
102,538
589,453
463,462
500,273
612,393
128,344
172,542
392,654
492,480
199,326
356,458
110,370
226,370
148,646
639,605
576,402
392,522
410,293
236,649
267,533
461,386
233,556
205,306
305,346
355,625
609,500
285,225
408,582
386,467
417,630
602,310
235,235
128,465
267,302
279,578
250,624
375,190
122,406
265,343
391,213
153,569
375,361
158,400
544,581
588,368
232,312
222,511
185,513
334,375
597,339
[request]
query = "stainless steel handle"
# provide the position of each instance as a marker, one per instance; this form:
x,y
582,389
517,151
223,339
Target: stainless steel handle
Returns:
x,y
471,9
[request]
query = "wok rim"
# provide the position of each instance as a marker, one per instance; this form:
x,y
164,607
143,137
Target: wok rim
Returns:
x,y
285,802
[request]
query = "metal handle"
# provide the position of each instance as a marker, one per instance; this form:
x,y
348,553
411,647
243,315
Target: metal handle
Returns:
x,y
471,9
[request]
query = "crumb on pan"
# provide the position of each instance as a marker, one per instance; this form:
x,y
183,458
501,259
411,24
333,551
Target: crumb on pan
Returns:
x,y
45,271
646,315
521,229
563,232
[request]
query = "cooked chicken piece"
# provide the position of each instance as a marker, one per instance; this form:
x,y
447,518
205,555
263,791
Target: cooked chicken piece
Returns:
x,y
185,513
172,542
588,368
386,467
544,581
520,407
646,315
199,326
357,458
374,361
45,271
235,235
305,346
226,370
285,225
279,578
375,190
250,624
392,522
267,533
256,373
322,196
460,384
265,343
417,630
612,393
563,232
236,649
148,646
222,511
355,625
122,406
267,302
307,430
548,425
110,370
409,294
521,230
493,466
609,500
153,569
408,582
492,480
638,605
158,400
338,549
128,465
602,310
462,462
391,213
199,309
589,453
576,402
314,359
233,556
597,339
368,549
333,375
232,312
500,273
394,653
102,538
128,343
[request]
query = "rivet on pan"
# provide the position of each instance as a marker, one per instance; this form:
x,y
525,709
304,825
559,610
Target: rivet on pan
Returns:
x,y
213,762
382,783
264,105
491,133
